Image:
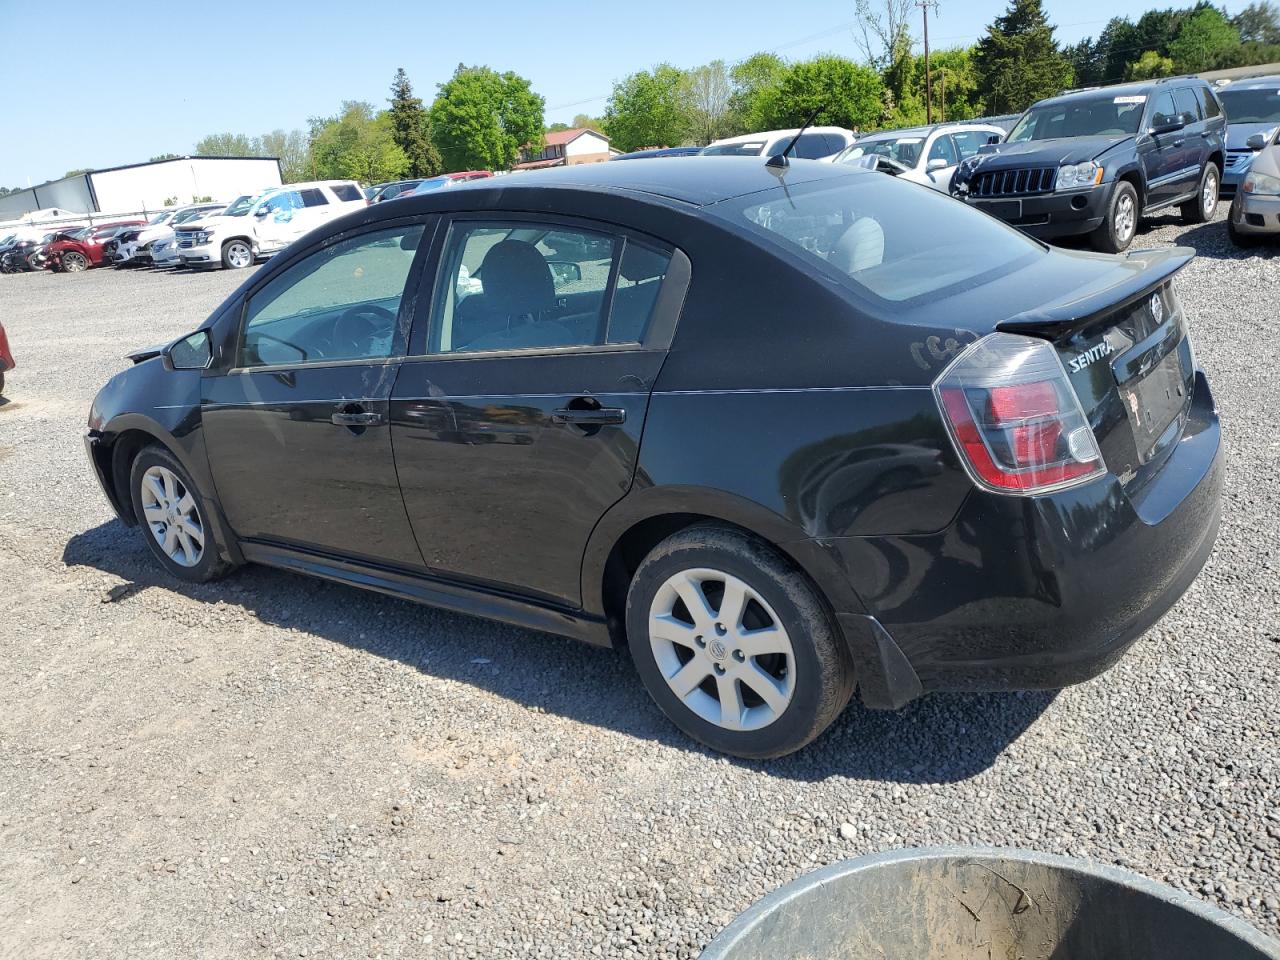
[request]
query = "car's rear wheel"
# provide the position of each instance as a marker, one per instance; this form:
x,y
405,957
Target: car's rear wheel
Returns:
x,y
237,255
735,644
73,262
173,516
1202,207
1117,230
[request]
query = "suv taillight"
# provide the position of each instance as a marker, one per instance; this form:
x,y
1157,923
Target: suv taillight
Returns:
x,y
1014,418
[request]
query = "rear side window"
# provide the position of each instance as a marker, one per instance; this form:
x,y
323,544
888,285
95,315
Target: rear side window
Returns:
x,y
810,146
1188,106
1209,103
889,238
347,192
311,197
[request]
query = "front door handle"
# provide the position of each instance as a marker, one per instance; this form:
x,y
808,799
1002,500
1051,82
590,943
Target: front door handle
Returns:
x,y
589,416
360,419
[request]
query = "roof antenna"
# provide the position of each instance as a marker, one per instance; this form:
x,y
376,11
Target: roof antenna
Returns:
x,y
780,159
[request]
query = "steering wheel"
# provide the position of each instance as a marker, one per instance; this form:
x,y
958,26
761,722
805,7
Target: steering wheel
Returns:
x,y
357,328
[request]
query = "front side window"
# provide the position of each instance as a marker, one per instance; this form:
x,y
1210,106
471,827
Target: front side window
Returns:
x,y
889,238
340,303
968,141
1165,111
944,150
522,286
311,197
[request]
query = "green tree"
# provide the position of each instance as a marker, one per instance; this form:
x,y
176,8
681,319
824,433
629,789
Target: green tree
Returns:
x,y
708,90
583,121
293,150
226,145
358,144
1018,61
1149,66
164,156
1202,36
649,109
79,172
483,118
903,97
557,127
411,128
1259,22
955,78
755,87
844,93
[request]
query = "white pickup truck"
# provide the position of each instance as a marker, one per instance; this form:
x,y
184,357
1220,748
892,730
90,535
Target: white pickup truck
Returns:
x,y
254,227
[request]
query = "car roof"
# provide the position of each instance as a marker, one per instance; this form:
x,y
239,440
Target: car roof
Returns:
x,y
773,134
1250,83
1143,88
698,180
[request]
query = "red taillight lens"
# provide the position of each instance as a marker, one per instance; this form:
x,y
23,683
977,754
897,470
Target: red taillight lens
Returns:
x,y
1015,419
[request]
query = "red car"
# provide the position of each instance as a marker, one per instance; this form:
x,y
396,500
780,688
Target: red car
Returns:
x,y
6,357
66,255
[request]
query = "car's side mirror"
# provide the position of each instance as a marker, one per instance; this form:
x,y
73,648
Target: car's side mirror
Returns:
x,y
261,212
564,271
937,163
1256,142
1170,126
993,138
190,353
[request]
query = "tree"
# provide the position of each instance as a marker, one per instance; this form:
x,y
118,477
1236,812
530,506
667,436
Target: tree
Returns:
x,y
755,87
79,172
844,94
881,26
956,79
164,156
411,128
1018,61
708,93
226,145
358,144
903,98
1202,37
582,121
1148,66
649,109
293,150
481,119
1259,22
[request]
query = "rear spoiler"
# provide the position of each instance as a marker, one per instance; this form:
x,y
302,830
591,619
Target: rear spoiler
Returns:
x,y
1143,270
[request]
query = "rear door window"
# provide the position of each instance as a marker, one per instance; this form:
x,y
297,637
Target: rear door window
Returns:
x,y
1209,103
346,192
313,197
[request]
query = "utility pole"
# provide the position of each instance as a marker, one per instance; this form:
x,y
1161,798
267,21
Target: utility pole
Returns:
x,y
924,6
942,96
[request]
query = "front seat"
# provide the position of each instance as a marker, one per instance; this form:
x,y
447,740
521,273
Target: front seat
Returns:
x,y
518,290
860,247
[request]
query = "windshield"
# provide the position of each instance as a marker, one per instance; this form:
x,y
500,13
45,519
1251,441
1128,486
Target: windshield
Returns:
x,y
239,207
905,150
432,184
751,148
889,237
161,217
1259,105
1105,116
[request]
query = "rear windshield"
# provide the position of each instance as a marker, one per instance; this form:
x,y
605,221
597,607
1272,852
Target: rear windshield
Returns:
x,y
895,240
1102,116
752,148
1259,105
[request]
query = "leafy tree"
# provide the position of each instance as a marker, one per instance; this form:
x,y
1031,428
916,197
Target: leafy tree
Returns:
x,y
844,93
1203,35
226,145
557,127
358,144
164,156
1149,65
755,88
708,90
882,25
584,121
79,172
955,78
649,109
292,148
903,97
1018,61
411,128
481,119
1259,22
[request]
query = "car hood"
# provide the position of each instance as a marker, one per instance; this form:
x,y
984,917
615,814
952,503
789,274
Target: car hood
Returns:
x,y
160,231
1048,153
209,223
1238,134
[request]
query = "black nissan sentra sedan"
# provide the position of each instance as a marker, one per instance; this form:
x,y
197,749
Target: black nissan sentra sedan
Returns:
x,y
780,432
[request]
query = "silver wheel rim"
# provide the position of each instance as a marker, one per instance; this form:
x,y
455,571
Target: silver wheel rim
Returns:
x,y
73,262
172,516
1125,220
238,254
1209,196
722,649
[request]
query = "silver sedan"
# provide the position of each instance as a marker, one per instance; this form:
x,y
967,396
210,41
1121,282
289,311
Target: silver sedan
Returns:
x,y
1255,211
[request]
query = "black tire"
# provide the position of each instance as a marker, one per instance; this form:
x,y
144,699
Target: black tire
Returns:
x,y
1120,225
209,565
1,381
1245,241
231,257
1197,209
823,671
73,262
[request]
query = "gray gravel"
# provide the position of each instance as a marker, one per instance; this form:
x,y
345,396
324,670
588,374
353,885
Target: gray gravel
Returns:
x,y
274,766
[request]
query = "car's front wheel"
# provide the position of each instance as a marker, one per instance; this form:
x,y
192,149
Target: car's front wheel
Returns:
x,y
734,644
1202,207
236,255
174,517
1117,231
73,262
1244,241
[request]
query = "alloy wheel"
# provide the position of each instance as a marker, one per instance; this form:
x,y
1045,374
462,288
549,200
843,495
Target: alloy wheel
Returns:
x,y
722,649
74,262
1126,220
1209,195
239,256
172,516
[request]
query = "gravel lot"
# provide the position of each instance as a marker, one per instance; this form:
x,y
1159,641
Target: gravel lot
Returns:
x,y
275,766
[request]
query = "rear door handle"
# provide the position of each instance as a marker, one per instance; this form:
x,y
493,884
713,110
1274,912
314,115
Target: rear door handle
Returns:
x,y
357,419
589,417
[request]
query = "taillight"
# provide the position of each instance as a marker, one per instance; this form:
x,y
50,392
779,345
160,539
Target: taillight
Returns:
x,y
1014,418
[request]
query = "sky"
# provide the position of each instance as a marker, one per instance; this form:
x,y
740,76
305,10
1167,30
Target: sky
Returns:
x,y
117,83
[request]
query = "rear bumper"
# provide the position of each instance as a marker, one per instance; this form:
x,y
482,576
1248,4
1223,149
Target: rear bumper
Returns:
x,y
1040,593
1251,213
1050,214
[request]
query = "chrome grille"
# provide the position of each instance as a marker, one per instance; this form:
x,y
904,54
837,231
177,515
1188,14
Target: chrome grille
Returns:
x,y
1007,183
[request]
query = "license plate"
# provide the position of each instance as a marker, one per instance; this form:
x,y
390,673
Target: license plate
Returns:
x,y
1004,209
1154,401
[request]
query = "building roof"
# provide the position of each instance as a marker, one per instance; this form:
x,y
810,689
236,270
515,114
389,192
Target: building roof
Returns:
x,y
556,138
539,164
